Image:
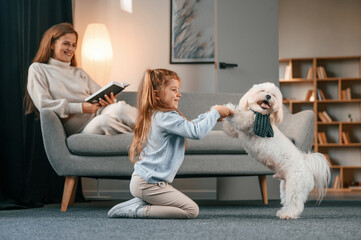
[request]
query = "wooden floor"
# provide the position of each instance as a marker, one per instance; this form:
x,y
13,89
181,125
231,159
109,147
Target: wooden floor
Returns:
x,y
339,195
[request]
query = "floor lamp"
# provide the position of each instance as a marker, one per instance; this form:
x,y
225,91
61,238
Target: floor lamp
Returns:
x,y
97,53
97,57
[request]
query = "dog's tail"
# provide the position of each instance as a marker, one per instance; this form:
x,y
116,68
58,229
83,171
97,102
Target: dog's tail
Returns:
x,y
320,168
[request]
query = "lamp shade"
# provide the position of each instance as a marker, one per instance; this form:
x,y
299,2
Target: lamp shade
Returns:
x,y
97,53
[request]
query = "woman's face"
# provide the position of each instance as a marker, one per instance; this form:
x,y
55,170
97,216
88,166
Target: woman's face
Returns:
x,y
63,48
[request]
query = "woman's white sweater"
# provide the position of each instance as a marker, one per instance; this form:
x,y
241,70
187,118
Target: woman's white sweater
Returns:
x,y
62,88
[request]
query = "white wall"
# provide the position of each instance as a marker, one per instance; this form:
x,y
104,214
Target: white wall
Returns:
x,y
319,28
140,40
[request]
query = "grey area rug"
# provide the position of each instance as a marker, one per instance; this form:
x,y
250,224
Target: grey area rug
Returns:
x,y
226,220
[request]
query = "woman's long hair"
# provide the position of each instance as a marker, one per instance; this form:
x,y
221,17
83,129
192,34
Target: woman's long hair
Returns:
x,y
44,53
147,103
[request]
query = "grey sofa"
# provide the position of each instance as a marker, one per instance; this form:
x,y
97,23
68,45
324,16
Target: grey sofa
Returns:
x,y
215,155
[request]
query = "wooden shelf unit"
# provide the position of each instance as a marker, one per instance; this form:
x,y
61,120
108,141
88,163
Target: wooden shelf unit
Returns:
x,y
340,92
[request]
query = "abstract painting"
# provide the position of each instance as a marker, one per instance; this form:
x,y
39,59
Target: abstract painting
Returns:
x,y
192,31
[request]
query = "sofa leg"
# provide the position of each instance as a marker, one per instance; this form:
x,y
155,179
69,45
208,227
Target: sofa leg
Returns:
x,y
69,190
263,185
73,193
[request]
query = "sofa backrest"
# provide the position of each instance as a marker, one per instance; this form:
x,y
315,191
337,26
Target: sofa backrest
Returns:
x,y
128,97
298,127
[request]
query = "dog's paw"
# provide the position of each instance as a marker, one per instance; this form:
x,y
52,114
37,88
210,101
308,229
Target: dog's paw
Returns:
x,y
284,214
231,106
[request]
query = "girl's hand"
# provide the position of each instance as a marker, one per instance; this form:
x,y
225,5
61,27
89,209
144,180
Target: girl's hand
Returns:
x,y
223,111
107,100
90,107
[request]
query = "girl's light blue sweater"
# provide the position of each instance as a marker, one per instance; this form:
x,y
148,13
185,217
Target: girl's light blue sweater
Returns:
x,y
164,153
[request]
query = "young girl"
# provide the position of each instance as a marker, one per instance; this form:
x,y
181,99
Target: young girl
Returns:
x,y
158,149
55,82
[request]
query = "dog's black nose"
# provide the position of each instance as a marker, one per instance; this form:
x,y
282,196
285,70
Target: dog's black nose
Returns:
x,y
268,97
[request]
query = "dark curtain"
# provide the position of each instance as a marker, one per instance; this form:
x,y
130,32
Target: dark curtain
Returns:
x,y
26,177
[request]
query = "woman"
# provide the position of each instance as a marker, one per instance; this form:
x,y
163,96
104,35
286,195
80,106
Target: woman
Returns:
x,y
56,83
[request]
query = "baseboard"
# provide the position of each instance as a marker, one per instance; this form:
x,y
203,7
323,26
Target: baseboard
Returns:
x,y
125,194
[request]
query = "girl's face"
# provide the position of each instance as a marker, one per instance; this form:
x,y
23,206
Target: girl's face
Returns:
x,y
63,48
170,95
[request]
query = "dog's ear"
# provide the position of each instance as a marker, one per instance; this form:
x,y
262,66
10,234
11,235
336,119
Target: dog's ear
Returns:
x,y
243,103
278,115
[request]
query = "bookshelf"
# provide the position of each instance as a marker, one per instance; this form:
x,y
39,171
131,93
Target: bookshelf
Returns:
x,y
331,88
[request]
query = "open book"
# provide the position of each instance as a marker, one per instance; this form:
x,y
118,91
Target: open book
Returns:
x,y
114,87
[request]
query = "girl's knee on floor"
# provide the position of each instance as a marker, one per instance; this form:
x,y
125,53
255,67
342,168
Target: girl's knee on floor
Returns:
x,y
192,211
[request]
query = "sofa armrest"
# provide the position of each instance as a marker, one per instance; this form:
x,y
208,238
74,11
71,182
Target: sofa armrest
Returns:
x,y
299,127
54,138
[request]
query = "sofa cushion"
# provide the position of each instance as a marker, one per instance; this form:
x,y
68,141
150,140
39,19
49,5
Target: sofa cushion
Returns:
x,y
216,142
99,145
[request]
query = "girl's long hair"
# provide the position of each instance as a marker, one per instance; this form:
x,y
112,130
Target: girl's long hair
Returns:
x,y
147,103
44,53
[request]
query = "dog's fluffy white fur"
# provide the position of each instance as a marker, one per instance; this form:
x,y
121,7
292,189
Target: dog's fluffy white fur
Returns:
x,y
299,172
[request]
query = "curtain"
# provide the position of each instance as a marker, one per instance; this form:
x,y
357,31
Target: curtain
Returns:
x,y
26,177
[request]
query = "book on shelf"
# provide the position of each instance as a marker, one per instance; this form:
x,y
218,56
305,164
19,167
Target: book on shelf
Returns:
x,y
346,138
328,158
288,72
327,116
320,141
309,75
114,87
322,137
336,182
321,72
320,95
348,93
310,97
343,94
324,117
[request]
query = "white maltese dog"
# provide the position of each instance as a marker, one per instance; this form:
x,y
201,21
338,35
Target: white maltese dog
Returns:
x,y
299,172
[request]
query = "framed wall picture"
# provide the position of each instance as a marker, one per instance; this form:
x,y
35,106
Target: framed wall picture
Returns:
x,y
192,31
